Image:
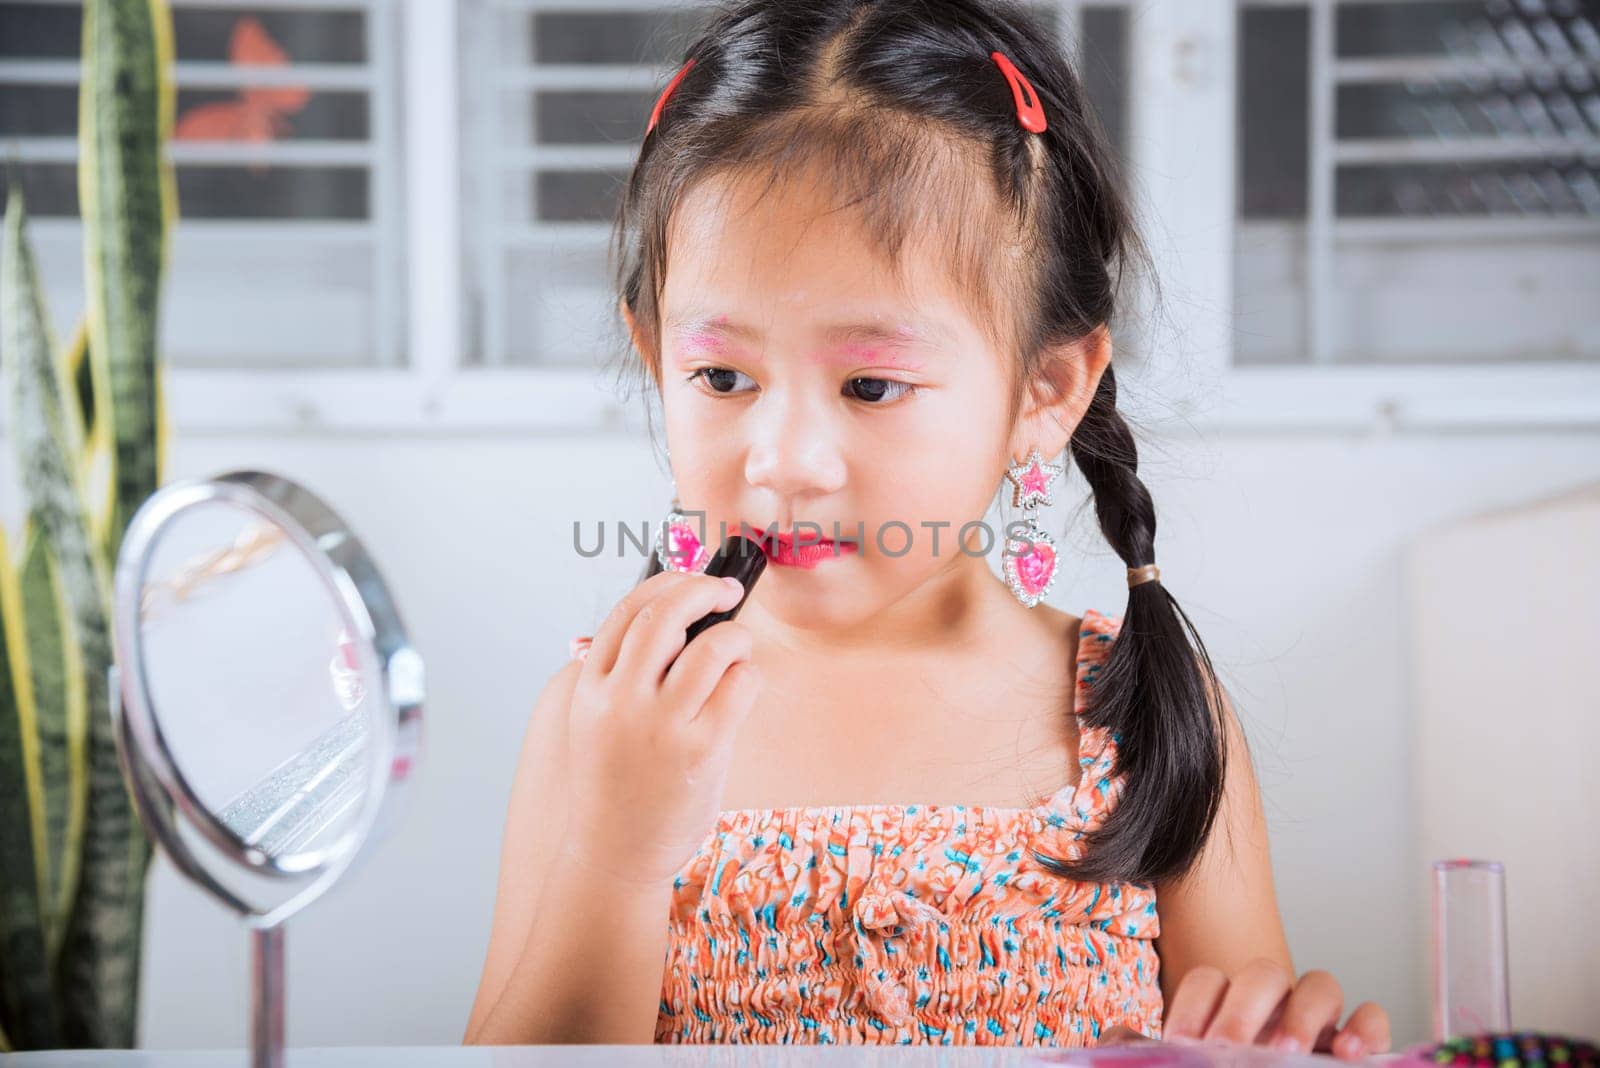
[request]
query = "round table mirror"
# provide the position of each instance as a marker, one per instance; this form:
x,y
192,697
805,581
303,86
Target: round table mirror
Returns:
x,y
267,702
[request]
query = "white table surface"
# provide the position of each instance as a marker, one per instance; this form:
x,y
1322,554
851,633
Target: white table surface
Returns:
x,y
1140,1055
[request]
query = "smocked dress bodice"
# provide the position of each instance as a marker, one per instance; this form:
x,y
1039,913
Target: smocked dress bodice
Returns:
x,y
913,923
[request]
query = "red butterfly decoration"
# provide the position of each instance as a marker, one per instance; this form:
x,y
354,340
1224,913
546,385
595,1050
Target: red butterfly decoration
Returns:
x,y
256,114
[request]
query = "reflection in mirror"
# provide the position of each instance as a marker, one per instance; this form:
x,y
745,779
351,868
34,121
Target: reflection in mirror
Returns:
x,y
250,661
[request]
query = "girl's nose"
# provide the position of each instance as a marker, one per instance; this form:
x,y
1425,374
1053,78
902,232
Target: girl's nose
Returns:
x,y
794,452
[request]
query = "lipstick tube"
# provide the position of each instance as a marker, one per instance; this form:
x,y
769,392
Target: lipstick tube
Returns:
x,y
745,560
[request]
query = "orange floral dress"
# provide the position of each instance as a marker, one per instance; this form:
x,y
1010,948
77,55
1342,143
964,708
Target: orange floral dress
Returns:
x,y
914,924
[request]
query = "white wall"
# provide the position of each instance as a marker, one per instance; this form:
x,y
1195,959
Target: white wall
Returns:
x,y
1511,737
1287,552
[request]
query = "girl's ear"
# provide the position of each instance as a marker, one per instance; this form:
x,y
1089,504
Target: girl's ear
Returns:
x,y
1060,393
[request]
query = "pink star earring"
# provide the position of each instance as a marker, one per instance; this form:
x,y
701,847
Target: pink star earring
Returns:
x,y
1030,567
679,546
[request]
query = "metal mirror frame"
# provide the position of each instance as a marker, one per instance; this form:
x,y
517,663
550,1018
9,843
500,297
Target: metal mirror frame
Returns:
x,y
389,666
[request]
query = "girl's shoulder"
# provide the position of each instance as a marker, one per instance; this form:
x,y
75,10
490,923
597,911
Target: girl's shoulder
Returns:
x,y
1091,634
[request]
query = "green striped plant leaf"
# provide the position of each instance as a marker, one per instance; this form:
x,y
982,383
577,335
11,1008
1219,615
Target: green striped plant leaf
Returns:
x,y
61,721
94,460
27,996
128,198
90,436
96,993
127,194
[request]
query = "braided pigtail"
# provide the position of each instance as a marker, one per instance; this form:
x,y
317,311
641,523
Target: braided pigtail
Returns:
x,y
1157,695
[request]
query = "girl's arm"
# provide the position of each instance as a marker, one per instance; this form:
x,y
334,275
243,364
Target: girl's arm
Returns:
x,y
1224,912
619,781
1226,972
575,954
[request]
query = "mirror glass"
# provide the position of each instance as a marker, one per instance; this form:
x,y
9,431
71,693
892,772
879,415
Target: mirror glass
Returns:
x,y
257,684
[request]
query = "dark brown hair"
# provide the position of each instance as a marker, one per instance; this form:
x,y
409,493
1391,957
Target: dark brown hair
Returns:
x,y
903,109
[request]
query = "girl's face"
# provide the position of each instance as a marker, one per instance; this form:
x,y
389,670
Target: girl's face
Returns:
x,y
799,384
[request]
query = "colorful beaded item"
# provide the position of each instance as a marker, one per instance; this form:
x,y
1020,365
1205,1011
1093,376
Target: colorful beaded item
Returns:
x,y
1520,1049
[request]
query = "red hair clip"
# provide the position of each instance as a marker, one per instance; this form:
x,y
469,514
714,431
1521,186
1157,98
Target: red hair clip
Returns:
x,y
661,100
1029,113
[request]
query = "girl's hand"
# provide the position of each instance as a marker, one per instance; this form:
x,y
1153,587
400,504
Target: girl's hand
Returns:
x,y
649,747
1263,1005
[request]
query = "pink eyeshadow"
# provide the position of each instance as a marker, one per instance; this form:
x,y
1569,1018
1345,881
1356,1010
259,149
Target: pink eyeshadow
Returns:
x,y
867,354
693,344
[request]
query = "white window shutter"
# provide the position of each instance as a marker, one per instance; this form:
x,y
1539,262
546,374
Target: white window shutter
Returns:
x,y
288,251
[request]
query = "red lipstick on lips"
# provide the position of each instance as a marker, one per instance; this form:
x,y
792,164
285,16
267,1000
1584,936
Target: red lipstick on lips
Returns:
x,y
800,549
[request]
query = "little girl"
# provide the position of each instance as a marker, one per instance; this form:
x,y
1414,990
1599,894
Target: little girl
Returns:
x,y
868,255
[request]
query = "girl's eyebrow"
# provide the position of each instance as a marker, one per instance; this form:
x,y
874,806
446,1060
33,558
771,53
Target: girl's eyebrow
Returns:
x,y
913,332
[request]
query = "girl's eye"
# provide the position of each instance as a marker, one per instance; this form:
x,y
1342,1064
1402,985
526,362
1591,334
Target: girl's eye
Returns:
x,y
720,379
873,390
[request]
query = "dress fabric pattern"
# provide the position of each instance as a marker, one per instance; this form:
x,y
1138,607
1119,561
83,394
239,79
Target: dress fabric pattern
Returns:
x,y
914,924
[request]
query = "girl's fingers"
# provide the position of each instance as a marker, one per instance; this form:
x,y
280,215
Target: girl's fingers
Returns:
x,y
1194,1003
700,675
1311,1014
1253,997
1120,1035
1263,1003
657,633
735,694
608,636
1365,1033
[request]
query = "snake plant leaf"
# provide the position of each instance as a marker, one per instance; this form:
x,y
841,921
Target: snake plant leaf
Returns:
x,y
61,722
94,456
97,986
97,969
127,195
27,998
80,373
79,885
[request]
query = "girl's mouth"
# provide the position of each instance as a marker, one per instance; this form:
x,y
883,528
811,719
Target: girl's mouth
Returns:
x,y
801,549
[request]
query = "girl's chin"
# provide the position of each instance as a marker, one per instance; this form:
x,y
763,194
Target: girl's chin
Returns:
x,y
815,599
